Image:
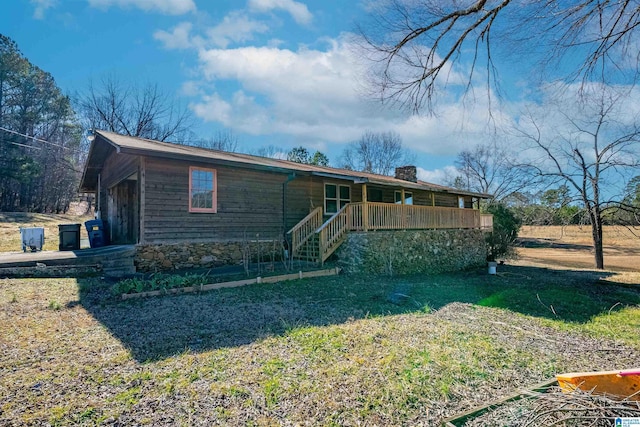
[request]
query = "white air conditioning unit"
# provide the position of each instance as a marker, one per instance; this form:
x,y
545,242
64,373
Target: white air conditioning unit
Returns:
x,y
32,238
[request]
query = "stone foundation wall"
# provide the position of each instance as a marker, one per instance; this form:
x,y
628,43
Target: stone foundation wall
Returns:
x,y
164,257
411,252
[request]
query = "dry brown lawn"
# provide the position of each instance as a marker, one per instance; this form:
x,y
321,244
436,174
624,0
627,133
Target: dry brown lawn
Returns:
x,y
328,351
342,350
10,223
571,247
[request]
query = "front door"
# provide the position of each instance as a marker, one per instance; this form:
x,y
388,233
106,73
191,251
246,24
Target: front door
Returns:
x,y
123,212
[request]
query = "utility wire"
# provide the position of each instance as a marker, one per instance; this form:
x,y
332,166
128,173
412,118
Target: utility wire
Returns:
x,y
64,162
38,139
20,145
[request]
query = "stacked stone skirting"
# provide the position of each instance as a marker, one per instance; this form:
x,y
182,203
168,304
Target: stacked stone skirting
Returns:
x,y
412,252
164,257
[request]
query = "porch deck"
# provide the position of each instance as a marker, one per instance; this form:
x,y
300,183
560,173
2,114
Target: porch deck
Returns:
x,y
113,261
313,240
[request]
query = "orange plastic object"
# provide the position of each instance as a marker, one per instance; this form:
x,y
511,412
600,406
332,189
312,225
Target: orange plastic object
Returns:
x,y
623,384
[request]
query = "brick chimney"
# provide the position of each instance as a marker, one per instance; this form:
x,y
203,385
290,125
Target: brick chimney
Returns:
x,y
407,173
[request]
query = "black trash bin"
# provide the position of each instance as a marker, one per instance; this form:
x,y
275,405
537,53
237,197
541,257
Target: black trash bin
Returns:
x,y
96,233
69,237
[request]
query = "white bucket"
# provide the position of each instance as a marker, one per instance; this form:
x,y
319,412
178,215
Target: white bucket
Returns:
x,y
492,267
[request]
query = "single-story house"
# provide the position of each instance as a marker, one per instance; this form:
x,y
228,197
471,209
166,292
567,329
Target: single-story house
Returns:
x,y
157,193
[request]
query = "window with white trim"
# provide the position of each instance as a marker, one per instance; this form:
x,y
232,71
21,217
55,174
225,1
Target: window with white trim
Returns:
x,y
408,197
335,197
461,202
202,190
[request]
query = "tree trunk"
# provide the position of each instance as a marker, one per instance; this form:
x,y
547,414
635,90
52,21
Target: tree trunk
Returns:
x,y
596,231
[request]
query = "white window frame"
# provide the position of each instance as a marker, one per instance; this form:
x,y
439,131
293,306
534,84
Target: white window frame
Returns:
x,y
460,202
339,200
214,190
408,195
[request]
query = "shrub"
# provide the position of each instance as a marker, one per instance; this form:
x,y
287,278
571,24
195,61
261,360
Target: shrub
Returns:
x,y
500,242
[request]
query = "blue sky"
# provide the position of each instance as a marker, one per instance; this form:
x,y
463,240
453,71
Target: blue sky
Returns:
x,y
273,72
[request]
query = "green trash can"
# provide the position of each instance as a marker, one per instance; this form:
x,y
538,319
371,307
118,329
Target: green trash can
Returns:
x,y
69,237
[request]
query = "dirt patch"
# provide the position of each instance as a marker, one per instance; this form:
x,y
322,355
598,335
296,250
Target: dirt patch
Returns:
x,y
571,247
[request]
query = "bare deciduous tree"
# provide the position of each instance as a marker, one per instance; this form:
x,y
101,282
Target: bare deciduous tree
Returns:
x,y
272,152
376,153
491,168
591,146
132,110
419,45
223,140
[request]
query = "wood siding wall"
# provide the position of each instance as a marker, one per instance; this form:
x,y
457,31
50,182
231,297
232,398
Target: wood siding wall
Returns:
x,y
117,167
304,194
249,204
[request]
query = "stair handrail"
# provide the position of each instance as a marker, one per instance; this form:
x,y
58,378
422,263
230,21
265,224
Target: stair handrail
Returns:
x,y
303,230
331,232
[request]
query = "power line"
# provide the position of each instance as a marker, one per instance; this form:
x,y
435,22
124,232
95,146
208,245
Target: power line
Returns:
x,y
38,139
62,161
20,145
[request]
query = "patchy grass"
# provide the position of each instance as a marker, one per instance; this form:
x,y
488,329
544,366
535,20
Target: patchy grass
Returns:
x,y
10,224
341,350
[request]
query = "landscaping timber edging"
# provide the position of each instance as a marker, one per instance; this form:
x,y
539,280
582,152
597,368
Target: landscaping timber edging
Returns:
x,y
236,283
534,391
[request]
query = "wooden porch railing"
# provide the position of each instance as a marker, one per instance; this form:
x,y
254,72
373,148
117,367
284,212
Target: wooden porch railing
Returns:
x,y
304,230
387,216
486,221
380,216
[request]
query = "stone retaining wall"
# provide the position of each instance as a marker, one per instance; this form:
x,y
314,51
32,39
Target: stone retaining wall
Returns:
x,y
411,252
163,257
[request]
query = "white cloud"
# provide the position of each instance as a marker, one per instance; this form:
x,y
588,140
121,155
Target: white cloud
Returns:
x,y
167,7
438,176
213,108
312,97
177,38
297,10
41,7
190,88
235,27
308,92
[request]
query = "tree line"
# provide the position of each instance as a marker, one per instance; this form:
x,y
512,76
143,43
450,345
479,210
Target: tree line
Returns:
x,y
40,156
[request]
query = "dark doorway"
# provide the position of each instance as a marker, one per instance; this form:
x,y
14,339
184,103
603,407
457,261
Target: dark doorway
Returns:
x,y
123,219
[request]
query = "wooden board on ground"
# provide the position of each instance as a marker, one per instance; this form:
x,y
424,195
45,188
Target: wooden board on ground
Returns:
x,y
237,283
460,419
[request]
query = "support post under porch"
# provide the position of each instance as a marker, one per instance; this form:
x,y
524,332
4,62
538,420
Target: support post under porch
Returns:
x,y
365,210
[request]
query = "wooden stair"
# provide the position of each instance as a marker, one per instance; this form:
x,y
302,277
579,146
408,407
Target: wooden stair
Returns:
x,y
314,241
310,250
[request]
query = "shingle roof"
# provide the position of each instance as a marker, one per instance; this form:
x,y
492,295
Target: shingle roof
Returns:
x,y
148,147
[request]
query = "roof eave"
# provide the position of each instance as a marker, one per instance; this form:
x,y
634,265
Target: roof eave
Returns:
x,y
202,159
